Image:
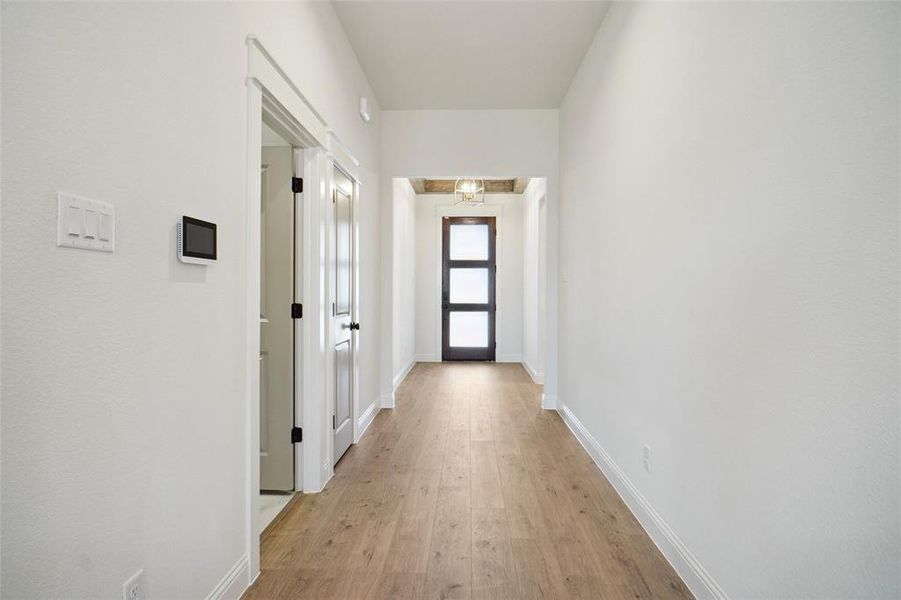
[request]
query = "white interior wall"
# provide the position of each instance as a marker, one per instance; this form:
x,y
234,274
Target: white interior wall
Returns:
x,y
729,197
483,142
404,274
533,297
507,209
124,416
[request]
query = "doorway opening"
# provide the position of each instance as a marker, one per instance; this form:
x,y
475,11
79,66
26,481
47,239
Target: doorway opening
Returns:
x,y
468,281
279,378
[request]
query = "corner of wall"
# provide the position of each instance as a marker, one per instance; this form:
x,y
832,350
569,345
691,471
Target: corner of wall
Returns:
x,y
536,376
402,374
367,418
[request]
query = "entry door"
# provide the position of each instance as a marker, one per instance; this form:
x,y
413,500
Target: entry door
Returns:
x,y
276,325
345,327
468,288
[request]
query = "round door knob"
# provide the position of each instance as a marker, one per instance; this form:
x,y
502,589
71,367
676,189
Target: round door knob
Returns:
x,y
355,326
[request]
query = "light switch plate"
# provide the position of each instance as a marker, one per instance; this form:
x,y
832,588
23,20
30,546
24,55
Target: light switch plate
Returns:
x,y
85,223
133,589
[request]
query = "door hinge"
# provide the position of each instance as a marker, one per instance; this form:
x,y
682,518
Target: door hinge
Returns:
x,y
297,185
334,422
296,435
296,310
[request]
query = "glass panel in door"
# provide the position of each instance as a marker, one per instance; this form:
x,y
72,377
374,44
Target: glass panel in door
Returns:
x,y
469,286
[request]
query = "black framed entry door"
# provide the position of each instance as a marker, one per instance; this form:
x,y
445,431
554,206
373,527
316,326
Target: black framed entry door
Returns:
x,y
469,274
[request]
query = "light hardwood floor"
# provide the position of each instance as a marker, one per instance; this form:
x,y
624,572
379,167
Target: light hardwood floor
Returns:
x,y
468,489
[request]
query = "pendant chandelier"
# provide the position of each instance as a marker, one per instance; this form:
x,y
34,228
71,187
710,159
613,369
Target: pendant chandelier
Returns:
x,y
469,191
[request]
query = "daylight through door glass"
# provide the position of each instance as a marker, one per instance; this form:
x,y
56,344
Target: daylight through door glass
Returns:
x,y
469,286
469,242
468,329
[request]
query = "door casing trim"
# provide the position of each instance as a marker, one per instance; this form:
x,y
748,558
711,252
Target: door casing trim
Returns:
x,y
271,91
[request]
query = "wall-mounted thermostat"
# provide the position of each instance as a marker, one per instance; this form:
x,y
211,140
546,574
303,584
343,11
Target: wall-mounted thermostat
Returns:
x,y
196,241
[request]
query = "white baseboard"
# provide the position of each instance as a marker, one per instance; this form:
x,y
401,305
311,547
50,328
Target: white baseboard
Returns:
x,y
427,358
535,375
387,400
234,583
366,419
399,377
548,402
509,358
695,576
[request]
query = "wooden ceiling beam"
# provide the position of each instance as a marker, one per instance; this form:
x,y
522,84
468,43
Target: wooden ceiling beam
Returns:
x,y
418,184
446,186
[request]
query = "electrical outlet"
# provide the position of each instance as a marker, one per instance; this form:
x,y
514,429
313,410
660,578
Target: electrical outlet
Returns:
x,y
647,458
133,589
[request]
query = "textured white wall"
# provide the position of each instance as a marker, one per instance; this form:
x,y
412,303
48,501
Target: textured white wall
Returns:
x,y
730,208
404,274
123,423
508,326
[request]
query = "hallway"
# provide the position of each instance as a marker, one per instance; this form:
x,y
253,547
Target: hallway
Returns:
x,y
466,489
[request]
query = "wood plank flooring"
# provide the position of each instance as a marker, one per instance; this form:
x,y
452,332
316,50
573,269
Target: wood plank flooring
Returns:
x,y
467,489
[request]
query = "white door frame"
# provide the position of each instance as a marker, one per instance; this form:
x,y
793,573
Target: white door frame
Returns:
x,y
270,91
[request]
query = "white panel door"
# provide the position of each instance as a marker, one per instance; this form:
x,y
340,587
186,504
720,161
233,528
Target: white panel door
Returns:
x,y
343,268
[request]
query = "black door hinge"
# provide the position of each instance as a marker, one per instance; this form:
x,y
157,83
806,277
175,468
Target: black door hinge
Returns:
x,y
296,310
334,422
296,435
297,185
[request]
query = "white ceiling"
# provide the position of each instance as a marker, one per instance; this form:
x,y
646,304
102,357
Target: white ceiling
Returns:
x,y
464,55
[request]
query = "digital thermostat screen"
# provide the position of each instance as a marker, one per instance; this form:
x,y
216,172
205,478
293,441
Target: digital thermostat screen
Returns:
x,y
199,238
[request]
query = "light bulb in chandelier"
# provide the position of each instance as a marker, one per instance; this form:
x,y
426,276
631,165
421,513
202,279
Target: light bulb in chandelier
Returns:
x,y
469,191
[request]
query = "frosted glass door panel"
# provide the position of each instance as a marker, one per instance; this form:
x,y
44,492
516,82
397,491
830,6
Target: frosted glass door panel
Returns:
x,y
469,286
469,329
469,242
343,251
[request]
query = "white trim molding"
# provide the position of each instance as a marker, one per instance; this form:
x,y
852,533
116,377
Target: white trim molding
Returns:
x,y
399,377
387,400
366,419
686,564
548,402
262,67
233,583
427,358
342,155
534,374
